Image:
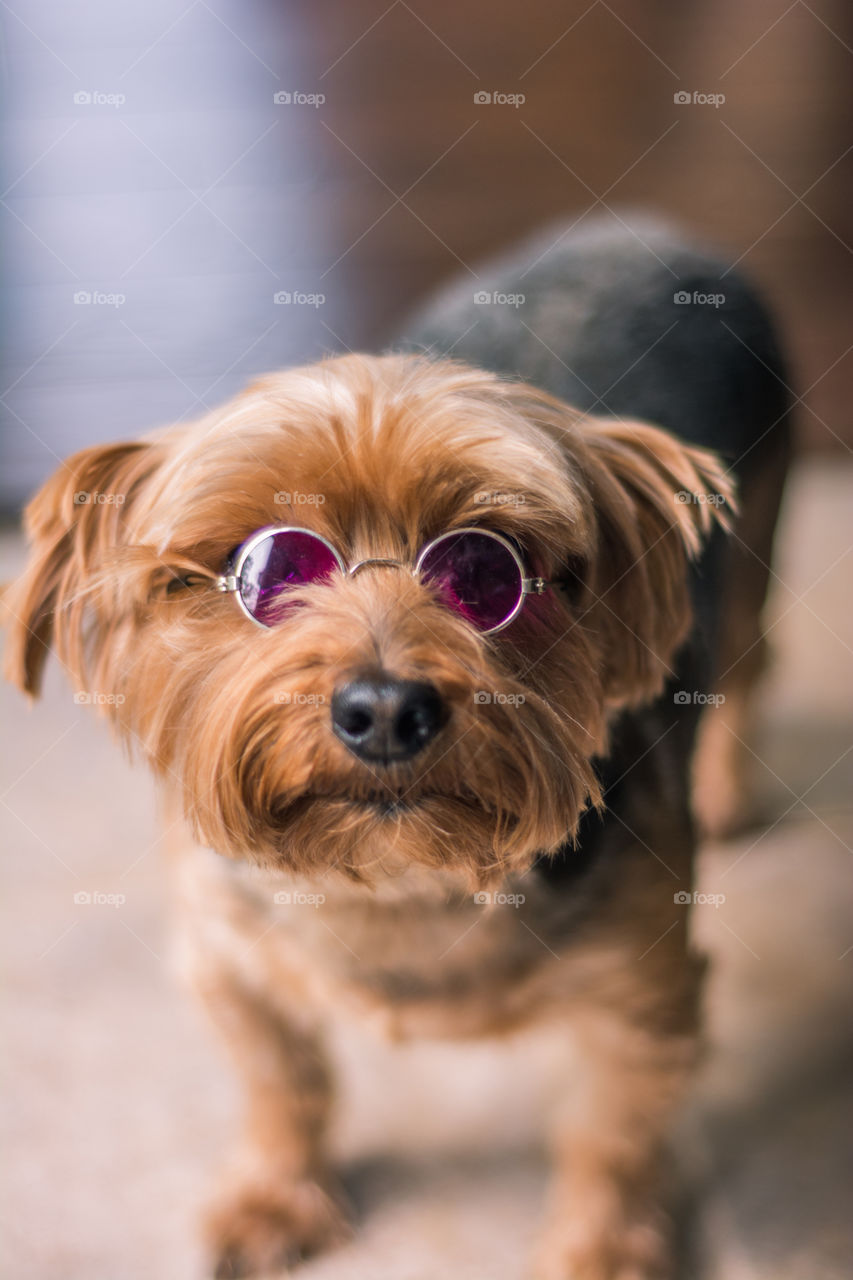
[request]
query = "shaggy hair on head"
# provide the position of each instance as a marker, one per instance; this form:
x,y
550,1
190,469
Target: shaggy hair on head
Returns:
x,y
379,455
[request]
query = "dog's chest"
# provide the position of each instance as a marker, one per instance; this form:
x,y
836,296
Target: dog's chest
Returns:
x,y
419,958
423,965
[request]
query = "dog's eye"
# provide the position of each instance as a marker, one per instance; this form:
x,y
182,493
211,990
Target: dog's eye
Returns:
x,y
184,581
572,577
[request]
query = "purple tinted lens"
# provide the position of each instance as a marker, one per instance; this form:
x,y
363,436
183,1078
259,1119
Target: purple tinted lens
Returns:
x,y
278,563
476,575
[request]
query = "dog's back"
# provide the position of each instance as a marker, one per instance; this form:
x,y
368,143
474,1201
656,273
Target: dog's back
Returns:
x,y
628,319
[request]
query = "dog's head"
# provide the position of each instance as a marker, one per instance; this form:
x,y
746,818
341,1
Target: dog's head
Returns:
x,y
374,725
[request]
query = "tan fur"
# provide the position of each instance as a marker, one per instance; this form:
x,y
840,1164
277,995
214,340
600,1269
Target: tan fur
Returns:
x,y
724,762
399,449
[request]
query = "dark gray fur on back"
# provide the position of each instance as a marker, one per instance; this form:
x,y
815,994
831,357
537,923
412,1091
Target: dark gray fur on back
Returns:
x,y
599,326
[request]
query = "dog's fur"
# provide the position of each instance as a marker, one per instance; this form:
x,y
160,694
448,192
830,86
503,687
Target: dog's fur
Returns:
x,y
567,786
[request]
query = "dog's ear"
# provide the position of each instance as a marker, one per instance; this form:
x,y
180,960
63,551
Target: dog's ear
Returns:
x,y
72,524
655,501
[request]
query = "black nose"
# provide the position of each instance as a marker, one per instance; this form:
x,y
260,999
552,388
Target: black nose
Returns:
x,y
383,720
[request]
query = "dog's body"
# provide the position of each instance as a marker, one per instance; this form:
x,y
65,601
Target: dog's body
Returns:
x,y
581,698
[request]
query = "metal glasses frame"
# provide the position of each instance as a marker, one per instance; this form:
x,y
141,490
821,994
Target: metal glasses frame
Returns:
x,y
230,581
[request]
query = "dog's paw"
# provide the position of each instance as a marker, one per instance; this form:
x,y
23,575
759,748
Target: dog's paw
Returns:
x,y
569,1251
265,1228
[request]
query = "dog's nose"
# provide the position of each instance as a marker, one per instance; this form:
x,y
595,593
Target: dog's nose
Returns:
x,y
383,720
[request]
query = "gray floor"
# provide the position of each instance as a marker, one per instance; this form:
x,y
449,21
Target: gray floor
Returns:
x,y
119,1107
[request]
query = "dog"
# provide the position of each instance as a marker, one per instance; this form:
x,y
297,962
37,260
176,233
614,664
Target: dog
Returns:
x,y
426,637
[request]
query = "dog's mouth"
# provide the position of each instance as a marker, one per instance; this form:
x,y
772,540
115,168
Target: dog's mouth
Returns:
x,y
383,804
387,804
385,825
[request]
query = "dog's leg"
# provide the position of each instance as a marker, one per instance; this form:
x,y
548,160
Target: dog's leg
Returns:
x,y
723,763
604,1219
279,1203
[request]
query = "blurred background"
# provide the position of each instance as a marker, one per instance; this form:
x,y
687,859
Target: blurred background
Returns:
x,y
170,169
194,191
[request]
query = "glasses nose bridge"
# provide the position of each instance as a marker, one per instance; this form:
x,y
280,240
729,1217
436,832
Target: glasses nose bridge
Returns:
x,y
382,562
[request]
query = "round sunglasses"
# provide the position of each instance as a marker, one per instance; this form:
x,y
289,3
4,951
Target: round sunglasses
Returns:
x,y
478,574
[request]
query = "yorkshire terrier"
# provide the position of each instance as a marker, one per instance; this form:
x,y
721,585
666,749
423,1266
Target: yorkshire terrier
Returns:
x,y
426,637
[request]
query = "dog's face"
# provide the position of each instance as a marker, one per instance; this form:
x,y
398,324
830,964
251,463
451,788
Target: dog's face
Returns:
x,y
490,764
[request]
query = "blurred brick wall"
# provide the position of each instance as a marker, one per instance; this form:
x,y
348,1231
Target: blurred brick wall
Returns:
x,y
766,174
